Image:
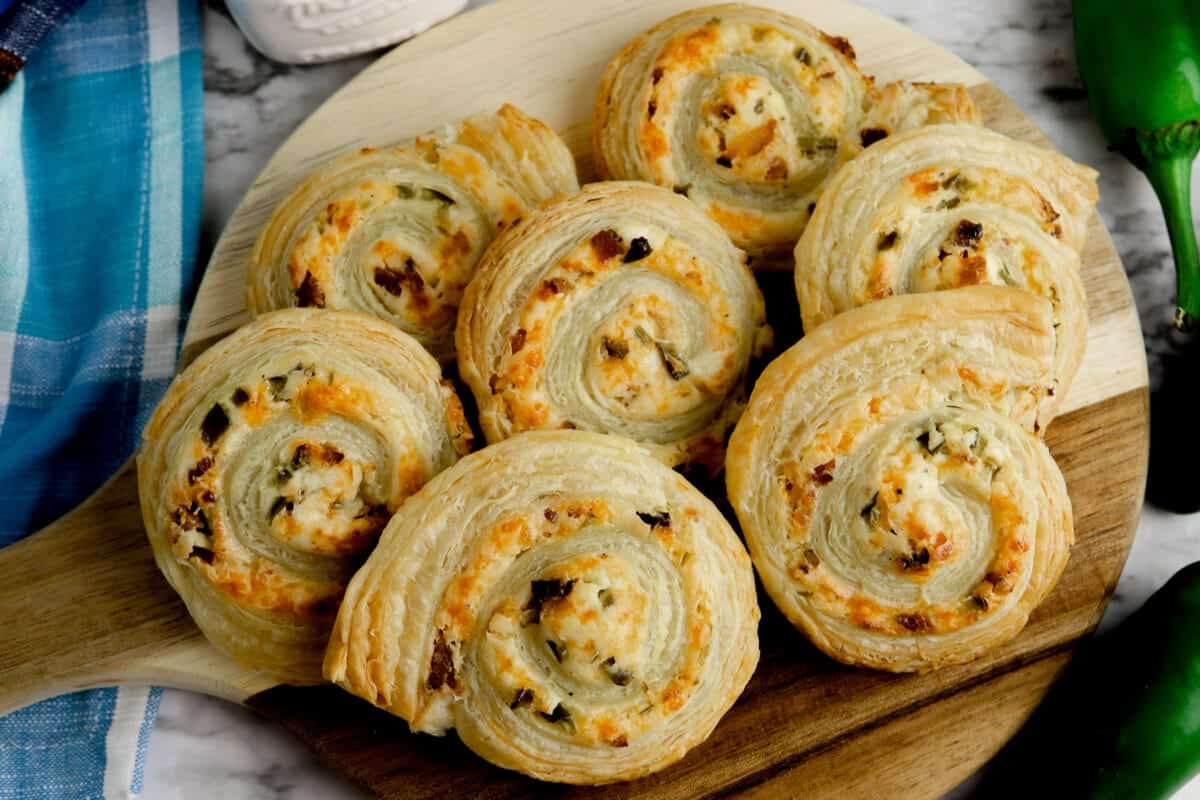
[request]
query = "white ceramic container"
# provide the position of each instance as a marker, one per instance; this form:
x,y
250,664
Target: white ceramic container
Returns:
x,y
309,31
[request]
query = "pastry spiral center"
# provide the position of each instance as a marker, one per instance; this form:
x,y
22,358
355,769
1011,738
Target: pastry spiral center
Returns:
x,y
746,133
942,529
414,245
591,614
321,503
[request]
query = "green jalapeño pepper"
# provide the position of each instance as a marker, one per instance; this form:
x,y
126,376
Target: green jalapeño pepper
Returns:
x,y
1123,721
1140,63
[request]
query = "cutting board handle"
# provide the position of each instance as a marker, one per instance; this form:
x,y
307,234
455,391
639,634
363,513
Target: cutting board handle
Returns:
x,y
82,604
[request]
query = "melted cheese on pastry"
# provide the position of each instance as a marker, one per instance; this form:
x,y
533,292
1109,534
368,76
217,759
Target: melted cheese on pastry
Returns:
x,y
620,310
948,206
898,504
574,609
397,231
747,112
272,465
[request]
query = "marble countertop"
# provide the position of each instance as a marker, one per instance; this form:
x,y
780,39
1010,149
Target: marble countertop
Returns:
x,y
204,748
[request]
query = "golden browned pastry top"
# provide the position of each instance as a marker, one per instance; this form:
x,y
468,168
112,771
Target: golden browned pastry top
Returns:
x,y
747,111
574,609
898,504
396,231
272,464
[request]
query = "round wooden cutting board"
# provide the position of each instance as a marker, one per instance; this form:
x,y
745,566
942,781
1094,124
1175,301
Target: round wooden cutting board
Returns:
x,y
84,604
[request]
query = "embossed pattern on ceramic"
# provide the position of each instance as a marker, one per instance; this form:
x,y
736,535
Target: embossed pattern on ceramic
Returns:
x,y
310,31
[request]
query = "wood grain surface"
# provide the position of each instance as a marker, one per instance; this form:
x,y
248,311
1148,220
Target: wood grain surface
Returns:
x,y
85,606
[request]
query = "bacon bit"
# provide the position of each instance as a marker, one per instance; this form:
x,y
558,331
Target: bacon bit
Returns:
x,y
650,109
661,519
1048,211
202,466
202,553
300,456
330,455
441,665
214,424
914,562
280,504
240,396
999,583
639,248
811,557
917,623
393,281
619,676
553,286
492,381
551,515
615,348
606,244
619,741
979,602
778,170
823,473
542,591
887,240
523,698
869,136
558,714
656,76
310,294
518,340
968,233
841,44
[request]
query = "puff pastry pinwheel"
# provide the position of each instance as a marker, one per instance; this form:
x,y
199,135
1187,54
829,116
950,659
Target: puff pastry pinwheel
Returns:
x,y
620,310
397,231
747,111
947,206
273,463
574,609
898,505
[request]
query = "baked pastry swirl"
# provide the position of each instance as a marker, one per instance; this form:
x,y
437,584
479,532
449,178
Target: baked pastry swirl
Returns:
x,y
898,506
273,463
397,231
747,111
620,310
574,609
946,206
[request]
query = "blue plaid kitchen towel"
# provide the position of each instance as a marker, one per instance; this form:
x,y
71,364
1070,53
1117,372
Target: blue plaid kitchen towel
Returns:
x,y
101,161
